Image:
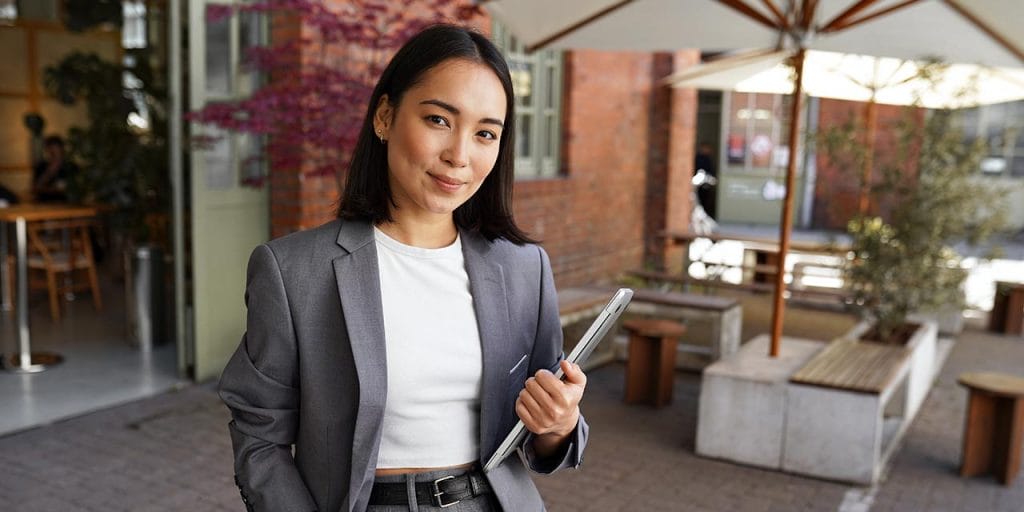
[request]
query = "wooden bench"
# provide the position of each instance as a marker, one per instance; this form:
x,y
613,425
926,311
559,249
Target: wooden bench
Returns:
x,y
577,308
846,408
722,315
575,304
854,366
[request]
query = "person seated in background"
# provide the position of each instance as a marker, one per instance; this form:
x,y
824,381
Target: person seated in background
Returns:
x,y
7,197
50,176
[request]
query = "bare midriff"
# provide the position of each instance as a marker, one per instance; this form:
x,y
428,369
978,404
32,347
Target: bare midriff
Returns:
x,y
402,471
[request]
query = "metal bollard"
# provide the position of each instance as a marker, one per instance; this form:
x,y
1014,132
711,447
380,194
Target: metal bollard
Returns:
x,y
144,297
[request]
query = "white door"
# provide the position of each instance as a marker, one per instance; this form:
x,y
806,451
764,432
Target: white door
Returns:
x,y
228,219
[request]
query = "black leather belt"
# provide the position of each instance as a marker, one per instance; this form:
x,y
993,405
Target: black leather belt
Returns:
x,y
443,492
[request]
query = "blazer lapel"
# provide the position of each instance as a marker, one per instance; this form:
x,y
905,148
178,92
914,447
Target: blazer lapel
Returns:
x,y
359,289
487,284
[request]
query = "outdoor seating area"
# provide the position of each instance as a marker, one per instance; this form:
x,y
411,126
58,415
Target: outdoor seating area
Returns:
x,y
812,264
247,246
639,457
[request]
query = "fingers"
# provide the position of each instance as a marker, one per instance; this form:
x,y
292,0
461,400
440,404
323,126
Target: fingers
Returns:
x,y
541,419
573,373
544,382
547,404
523,410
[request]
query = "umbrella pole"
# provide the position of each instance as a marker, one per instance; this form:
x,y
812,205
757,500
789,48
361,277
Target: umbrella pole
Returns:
x,y
787,205
870,120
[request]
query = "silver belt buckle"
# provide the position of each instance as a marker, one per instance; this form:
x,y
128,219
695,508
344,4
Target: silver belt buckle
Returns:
x,y
438,492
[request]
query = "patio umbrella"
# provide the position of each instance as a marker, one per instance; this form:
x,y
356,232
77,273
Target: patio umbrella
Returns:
x,y
981,31
862,78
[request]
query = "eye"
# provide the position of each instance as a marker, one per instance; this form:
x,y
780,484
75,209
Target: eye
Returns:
x,y
438,120
487,134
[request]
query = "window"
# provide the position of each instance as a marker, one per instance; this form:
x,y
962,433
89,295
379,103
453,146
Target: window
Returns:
x,y
230,34
133,28
758,131
1001,128
537,85
8,11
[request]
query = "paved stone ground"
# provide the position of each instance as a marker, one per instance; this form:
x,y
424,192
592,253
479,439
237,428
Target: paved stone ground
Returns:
x,y
924,476
172,453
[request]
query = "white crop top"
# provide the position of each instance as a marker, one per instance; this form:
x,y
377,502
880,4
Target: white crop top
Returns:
x,y
434,360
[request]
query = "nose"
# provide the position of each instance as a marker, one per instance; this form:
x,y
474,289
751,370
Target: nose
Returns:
x,y
457,152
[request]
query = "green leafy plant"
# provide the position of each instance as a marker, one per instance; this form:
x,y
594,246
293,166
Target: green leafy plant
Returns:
x,y
904,263
123,167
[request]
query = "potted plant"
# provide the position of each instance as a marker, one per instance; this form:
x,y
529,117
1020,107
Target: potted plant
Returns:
x,y
905,264
123,158
123,154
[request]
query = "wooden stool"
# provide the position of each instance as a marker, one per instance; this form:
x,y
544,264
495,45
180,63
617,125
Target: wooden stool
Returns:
x,y
995,425
1007,315
652,360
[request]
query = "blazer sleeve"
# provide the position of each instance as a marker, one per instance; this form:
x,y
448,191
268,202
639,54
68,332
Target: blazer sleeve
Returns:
x,y
260,387
547,353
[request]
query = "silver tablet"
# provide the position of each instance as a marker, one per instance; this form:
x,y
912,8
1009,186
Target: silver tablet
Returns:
x,y
588,342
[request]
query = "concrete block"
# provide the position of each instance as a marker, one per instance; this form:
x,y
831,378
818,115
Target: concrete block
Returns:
x,y
832,434
923,347
742,408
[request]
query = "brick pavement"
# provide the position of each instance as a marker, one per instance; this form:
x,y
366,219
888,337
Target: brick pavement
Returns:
x,y
924,475
172,453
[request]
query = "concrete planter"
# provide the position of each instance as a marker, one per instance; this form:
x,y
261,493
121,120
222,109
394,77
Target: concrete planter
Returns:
x,y
850,436
751,414
742,411
923,368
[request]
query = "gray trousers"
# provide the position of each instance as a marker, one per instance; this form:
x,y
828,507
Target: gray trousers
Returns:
x,y
484,503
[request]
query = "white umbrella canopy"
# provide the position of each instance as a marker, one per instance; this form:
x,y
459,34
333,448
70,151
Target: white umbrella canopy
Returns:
x,y
968,31
860,78
985,32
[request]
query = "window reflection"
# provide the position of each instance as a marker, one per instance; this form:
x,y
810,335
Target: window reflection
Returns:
x,y
218,54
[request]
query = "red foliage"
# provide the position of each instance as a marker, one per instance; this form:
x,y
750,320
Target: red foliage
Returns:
x,y
312,107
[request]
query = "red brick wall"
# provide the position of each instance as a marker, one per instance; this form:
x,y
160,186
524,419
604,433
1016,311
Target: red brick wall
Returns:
x,y
681,154
837,190
627,142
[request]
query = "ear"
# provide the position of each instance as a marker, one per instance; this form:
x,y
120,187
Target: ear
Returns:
x,y
382,117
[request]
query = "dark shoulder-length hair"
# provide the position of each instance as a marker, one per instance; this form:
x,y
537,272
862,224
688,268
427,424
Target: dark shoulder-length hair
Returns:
x,y
367,194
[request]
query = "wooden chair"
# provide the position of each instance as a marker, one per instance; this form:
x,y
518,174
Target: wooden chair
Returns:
x,y
62,251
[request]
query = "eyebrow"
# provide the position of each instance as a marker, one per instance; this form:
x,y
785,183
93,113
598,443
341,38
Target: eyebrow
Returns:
x,y
451,108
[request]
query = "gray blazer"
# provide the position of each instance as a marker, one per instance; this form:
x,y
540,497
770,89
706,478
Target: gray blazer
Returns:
x,y
310,370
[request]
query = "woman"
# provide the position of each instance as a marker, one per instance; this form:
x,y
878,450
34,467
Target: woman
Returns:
x,y
392,346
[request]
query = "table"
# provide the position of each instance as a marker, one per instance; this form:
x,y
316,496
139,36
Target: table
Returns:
x,y
994,427
766,251
26,361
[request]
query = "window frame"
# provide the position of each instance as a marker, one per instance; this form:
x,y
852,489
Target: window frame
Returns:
x,y
542,118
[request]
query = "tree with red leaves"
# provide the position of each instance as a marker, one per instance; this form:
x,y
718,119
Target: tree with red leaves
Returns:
x,y
312,106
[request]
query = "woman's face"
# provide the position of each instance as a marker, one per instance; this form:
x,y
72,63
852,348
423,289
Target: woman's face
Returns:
x,y
442,138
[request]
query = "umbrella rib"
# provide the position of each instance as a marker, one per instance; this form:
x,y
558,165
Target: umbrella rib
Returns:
x,y
852,11
750,12
969,16
866,18
783,22
807,13
576,26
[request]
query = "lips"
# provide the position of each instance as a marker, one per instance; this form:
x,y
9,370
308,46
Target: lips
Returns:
x,y
446,182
